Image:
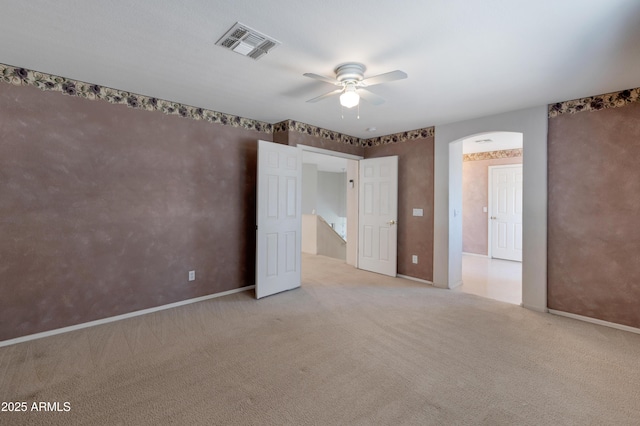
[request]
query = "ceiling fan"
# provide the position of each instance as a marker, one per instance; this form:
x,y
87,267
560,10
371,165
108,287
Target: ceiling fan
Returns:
x,y
352,85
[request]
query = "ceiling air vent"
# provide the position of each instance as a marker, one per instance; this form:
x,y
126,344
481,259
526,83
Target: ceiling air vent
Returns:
x,y
247,41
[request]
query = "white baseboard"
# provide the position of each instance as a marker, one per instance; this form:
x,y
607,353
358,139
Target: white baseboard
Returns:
x,y
456,285
595,321
446,286
406,277
474,254
121,317
535,308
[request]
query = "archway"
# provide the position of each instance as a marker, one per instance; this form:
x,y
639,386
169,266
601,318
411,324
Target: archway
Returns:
x,y
532,123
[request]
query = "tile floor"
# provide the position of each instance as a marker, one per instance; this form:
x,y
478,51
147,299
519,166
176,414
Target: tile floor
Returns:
x,y
493,278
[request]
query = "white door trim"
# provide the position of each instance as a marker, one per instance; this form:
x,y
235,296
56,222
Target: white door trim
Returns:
x,y
329,152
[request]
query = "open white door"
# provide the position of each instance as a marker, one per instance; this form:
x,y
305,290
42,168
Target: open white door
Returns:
x,y
378,215
278,219
506,212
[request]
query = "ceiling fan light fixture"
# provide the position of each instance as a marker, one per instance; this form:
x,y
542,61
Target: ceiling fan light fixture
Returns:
x,y
349,98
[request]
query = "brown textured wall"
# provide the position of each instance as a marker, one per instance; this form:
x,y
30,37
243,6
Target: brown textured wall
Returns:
x,y
475,196
104,209
594,211
415,190
281,137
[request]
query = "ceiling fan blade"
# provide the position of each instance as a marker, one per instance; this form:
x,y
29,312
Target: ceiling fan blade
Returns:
x,y
326,95
370,97
322,78
384,78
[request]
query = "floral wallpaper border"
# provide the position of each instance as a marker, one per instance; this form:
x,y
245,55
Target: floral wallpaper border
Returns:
x,y
308,129
44,81
493,155
24,77
427,132
595,103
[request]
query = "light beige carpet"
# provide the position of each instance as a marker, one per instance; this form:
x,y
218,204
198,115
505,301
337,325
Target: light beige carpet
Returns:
x,y
348,348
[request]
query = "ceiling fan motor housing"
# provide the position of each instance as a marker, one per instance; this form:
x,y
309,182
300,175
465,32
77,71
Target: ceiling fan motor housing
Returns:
x,y
350,72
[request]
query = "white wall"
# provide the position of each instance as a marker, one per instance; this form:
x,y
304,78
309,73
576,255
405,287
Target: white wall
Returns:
x,y
325,194
331,199
447,260
455,213
309,188
309,233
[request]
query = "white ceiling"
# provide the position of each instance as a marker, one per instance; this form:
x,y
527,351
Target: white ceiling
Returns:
x,y
465,59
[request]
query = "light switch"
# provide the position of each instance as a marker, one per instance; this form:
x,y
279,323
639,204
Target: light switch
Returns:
x,y
484,209
418,212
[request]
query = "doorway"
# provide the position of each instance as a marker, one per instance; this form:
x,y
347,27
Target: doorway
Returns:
x,y
447,266
329,203
279,229
366,220
492,216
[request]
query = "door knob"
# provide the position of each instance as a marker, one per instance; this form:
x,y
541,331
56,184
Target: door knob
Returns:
x,y
493,217
392,222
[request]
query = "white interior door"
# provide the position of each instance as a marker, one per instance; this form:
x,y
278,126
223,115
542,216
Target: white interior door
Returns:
x,y
278,241
506,212
378,215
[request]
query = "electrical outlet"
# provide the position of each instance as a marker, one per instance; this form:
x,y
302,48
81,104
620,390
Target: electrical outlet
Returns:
x,y
192,275
414,258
